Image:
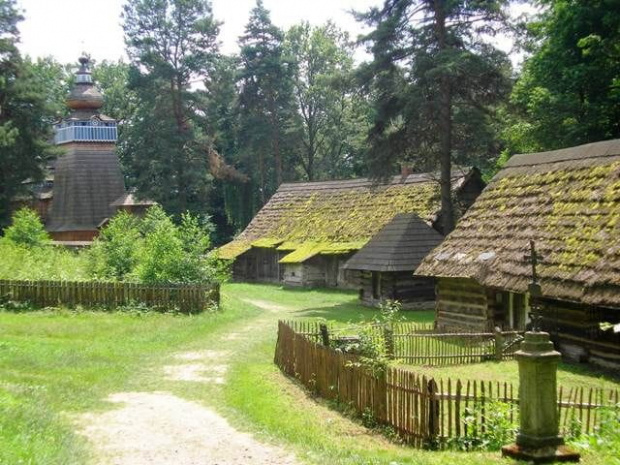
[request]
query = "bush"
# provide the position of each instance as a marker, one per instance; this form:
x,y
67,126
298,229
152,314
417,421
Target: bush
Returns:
x,y
27,230
498,429
114,253
154,250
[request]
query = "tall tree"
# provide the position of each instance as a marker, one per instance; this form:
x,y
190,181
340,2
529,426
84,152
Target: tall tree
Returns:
x,y
435,82
265,101
171,43
25,114
322,59
569,91
113,79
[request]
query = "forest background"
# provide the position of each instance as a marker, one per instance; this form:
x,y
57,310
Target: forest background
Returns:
x,y
216,134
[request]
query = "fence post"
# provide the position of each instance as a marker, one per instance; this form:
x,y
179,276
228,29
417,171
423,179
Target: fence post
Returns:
x,y
388,337
324,334
433,412
499,344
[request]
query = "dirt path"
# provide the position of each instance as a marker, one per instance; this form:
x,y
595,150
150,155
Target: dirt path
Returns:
x,y
150,428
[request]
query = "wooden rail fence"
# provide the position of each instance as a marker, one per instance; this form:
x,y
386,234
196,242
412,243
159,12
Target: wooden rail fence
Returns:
x,y
422,410
183,297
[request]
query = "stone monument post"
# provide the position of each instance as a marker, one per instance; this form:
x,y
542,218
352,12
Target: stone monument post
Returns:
x,y
538,440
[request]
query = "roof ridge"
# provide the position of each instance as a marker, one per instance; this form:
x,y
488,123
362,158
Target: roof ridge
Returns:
x,y
593,150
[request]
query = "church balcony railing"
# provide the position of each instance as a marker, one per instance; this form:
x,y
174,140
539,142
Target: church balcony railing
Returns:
x,y
85,134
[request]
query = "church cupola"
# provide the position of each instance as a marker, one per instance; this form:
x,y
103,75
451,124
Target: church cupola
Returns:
x,y
85,123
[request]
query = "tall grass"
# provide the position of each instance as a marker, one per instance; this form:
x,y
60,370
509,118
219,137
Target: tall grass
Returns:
x,y
41,263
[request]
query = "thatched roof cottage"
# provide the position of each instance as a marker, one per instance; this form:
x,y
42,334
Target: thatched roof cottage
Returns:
x,y
308,230
568,202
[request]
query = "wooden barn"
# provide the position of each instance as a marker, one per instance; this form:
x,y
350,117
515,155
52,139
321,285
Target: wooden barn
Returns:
x,y
308,230
387,262
568,202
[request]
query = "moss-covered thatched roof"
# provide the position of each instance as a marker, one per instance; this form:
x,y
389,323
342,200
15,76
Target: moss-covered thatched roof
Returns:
x,y
568,202
332,217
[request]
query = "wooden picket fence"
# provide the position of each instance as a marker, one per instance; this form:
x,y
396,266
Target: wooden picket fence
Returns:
x,y
418,344
423,411
186,298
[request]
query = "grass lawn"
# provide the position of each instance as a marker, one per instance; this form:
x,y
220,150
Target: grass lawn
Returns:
x,y
55,365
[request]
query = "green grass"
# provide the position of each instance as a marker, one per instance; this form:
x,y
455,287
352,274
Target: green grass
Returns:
x,y
569,375
55,365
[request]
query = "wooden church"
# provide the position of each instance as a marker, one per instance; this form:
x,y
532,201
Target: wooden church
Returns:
x,y
84,187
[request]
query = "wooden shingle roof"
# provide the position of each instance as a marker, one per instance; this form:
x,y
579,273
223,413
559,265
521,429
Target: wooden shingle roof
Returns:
x,y
399,246
568,202
86,183
310,218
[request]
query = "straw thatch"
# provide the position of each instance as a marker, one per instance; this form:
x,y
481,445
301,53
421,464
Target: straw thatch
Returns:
x,y
568,202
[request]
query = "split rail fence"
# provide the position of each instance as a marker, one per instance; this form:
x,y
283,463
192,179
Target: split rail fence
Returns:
x,y
185,298
421,410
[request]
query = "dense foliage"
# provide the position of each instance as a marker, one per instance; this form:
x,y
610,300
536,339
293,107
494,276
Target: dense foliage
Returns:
x,y
25,115
151,250
569,90
154,250
27,253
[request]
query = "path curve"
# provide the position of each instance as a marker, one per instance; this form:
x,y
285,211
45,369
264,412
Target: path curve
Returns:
x,y
153,428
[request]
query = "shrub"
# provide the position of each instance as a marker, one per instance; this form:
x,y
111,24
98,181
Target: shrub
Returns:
x,y
498,430
154,250
27,230
114,253
38,263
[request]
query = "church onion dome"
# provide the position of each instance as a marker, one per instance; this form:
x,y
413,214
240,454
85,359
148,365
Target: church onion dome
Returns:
x,y
84,95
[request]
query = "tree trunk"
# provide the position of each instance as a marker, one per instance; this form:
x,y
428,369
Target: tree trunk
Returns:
x,y
445,125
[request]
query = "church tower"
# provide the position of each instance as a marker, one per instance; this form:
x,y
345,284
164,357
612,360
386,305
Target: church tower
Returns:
x,y
87,177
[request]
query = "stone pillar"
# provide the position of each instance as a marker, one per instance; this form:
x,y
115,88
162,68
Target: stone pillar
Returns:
x,y
538,439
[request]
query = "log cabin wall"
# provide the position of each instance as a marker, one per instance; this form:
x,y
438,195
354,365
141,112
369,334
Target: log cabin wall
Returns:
x,y
293,274
462,304
578,334
70,236
402,286
257,264
314,272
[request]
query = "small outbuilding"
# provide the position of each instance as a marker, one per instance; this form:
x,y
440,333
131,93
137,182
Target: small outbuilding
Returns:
x,y
387,262
566,201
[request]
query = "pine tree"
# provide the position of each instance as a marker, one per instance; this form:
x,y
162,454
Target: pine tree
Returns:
x,y
25,115
265,102
171,44
435,84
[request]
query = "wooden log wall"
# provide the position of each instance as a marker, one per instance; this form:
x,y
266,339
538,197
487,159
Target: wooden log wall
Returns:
x,y
576,330
185,298
462,305
401,286
423,411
